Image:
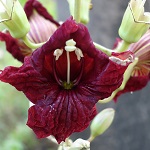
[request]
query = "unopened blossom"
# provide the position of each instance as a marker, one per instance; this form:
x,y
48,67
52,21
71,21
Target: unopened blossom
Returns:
x,y
141,73
102,122
135,21
14,18
79,144
64,79
84,12
42,26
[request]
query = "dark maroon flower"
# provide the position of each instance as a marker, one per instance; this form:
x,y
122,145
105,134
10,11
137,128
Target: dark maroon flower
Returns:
x,y
141,73
64,79
42,26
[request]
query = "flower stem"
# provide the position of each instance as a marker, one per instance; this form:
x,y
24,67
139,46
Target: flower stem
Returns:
x,y
77,10
30,44
91,138
123,47
103,49
68,67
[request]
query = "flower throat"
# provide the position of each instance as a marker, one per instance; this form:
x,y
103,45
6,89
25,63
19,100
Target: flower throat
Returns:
x,y
70,47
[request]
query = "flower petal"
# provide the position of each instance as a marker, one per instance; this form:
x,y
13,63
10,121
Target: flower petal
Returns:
x,y
28,80
61,117
16,47
134,84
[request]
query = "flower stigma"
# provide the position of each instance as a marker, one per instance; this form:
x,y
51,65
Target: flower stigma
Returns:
x,y
70,47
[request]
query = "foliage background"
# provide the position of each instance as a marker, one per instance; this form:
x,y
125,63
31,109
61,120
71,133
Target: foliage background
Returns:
x,y
130,129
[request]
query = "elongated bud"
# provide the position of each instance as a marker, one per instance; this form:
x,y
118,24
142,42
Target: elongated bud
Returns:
x,y
101,122
135,22
79,144
85,8
14,18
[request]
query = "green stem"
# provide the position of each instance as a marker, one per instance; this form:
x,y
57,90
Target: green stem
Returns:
x,y
77,10
30,44
103,49
123,47
91,138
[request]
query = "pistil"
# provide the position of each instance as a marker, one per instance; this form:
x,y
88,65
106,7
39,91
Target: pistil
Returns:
x,y
70,46
68,67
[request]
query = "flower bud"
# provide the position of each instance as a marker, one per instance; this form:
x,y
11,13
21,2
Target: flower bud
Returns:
x,y
135,22
65,145
85,8
14,18
80,144
101,122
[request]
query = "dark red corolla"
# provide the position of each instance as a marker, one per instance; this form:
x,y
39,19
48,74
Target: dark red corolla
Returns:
x,y
42,26
64,79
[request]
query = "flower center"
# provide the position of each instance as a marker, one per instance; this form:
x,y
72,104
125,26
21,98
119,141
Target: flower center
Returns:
x,y
69,49
67,86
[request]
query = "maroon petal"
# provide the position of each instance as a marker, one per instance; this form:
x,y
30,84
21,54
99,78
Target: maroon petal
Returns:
x,y
61,117
104,80
28,80
134,84
12,46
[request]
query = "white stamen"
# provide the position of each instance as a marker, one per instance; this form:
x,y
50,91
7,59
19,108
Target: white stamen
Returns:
x,y
58,53
70,45
70,48
79,53
70,42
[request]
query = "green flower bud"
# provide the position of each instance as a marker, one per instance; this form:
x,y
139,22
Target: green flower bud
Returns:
x,y
101,122
85,8
135,22
14,18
